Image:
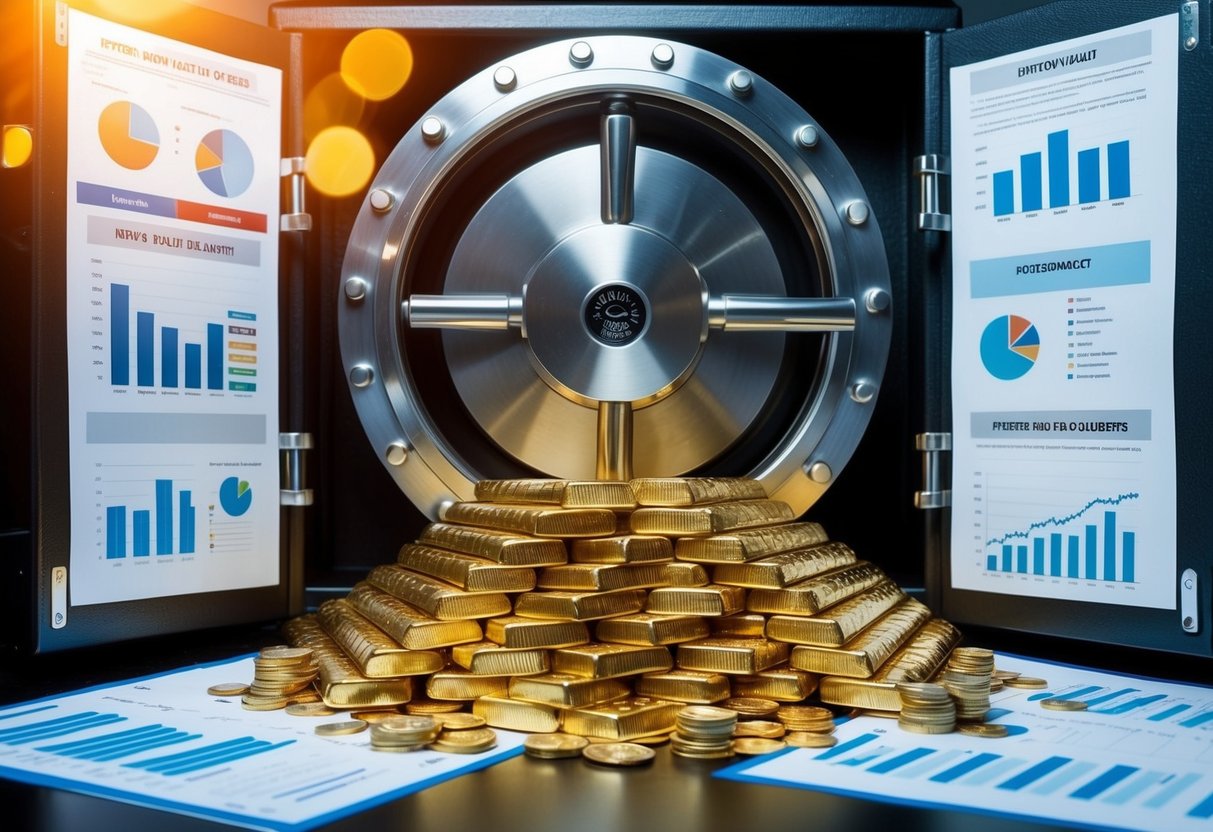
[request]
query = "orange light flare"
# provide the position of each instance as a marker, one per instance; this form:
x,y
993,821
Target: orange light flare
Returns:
x,y
339,161
377,63
330,103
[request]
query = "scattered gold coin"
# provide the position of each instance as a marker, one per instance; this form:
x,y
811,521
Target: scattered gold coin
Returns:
x,y
335,729
1063,705
458,721
309,709
760,728
757,745
807,739
554,746
228,689
618,754
989,730
1027,682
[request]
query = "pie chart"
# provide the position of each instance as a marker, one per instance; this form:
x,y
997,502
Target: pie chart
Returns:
x,y
224,163
1009,347
235,496
128,134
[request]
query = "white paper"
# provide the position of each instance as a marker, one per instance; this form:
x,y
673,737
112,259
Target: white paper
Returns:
x,y
1140,757
172,316
1064,203
264,769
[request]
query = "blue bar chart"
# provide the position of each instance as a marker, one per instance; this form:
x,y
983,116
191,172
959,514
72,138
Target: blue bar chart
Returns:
x,y
169,528
1100,171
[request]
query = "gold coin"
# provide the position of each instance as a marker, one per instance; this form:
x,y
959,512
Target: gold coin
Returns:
x,y
760,728
1028,682
1063,705
554,746
652,739
262,703
803,713
991,730
618,754
804,739
303,696
397,749
432,706
335,729
471,741
458,721
228,689
375,717
309,709
751,705
757,745
1005,674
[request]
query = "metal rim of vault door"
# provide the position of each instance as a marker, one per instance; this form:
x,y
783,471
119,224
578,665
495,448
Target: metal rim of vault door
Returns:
x,y
829,423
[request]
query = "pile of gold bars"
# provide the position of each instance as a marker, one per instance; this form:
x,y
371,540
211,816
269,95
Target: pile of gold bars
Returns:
x,y
603,609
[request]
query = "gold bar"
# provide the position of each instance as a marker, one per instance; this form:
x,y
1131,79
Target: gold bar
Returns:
x,y
732,655
712,599
462,685
694,491
602,577
579,606
711,519
812,595
564,493
646,628
623,719
435,597
487,658
564,690
693,687
783,684
626,548
500,547
411,627
516,715
516,632
917,661
686,574
341,684
377,655
785,568
537,521
750,544
467,572
606,661
863,655
743,624
840,623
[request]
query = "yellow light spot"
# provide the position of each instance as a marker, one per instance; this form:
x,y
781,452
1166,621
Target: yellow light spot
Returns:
x,y
18,145
339,161
134,11
377,63
329,103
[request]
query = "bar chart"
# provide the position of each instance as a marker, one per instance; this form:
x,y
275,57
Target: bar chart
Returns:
x,y
153,529
1046,177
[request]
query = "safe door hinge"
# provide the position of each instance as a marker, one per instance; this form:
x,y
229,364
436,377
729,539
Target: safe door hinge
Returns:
x,y
1189,25
933,494
292,452
930,168
295,217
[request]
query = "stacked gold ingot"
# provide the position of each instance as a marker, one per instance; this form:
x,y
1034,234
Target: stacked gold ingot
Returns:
x,y
602,609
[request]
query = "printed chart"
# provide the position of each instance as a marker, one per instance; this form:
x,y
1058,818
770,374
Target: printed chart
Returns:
x,y
1010,346
128,134
224,163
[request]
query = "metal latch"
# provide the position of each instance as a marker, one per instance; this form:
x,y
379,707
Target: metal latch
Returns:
x,y
929,168
1189,25
293,474
933,494
294,218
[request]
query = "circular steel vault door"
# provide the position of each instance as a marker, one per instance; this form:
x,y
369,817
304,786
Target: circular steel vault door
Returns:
x,y
609,257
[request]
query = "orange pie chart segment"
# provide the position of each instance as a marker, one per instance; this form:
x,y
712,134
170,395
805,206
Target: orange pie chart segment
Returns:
x,y
128,134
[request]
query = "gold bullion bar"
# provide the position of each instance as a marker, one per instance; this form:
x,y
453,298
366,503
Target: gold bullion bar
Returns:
x,y
812,595
501,547
711,519
376,653
863,655
649,628
534,520
468,572
341,683
783,684
487,658
743,624
678,573
412,627
564,493
693,491
713,599
564,690
746,656
785,568
916,661
517,715
625,548
462,685
517,632
750,544
623,719
436,597
840,623
579,606
694,687
605,661
602,577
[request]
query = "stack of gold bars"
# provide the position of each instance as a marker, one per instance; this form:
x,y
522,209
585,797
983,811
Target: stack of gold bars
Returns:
x,y
603,609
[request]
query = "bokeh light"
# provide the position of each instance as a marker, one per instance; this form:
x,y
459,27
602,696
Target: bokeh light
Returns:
x,y
18,145
340,161
377,63
330,103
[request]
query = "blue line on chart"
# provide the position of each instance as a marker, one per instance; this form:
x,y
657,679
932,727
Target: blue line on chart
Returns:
x,y
1061,521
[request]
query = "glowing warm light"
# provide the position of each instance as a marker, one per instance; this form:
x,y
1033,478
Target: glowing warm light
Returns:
x,y
134,11
339,161
330,103
18,145
377,63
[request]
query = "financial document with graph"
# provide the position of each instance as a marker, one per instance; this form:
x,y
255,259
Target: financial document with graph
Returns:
x,y
1064,218
1135,754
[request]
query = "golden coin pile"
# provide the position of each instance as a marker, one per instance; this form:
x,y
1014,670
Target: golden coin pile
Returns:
x,y
763,728
967,679
464,740
808,726
751,707
704,732
554,746
281,676
926,708
403,733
